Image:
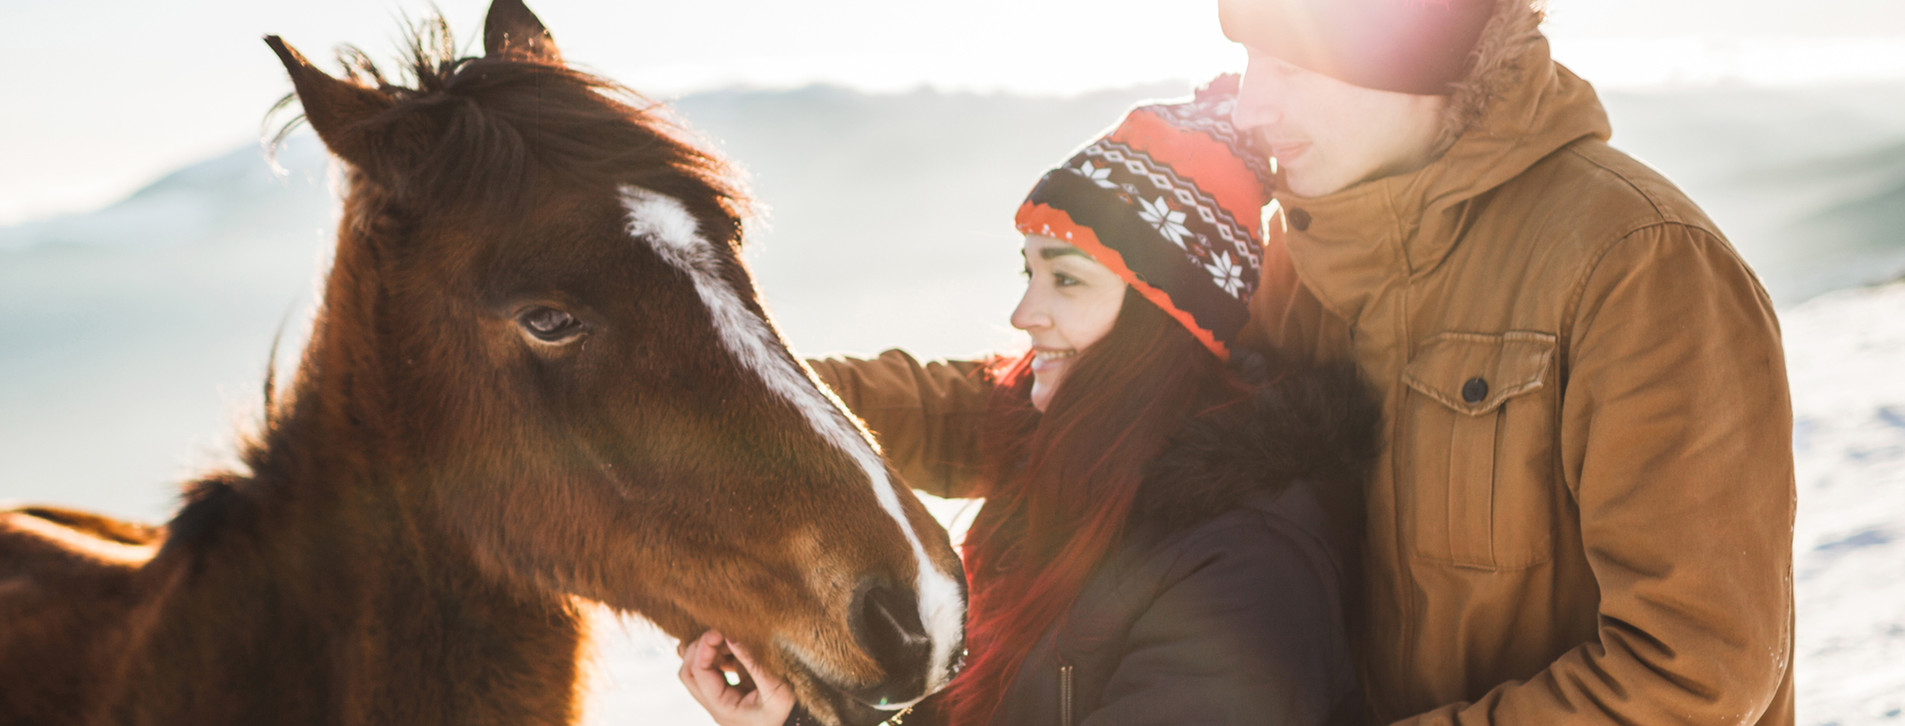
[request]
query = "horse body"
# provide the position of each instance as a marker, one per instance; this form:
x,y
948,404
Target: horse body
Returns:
x,y
320,589
539,373
68,589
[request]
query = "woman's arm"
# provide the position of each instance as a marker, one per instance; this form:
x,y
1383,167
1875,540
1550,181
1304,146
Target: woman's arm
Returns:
x,y
927,417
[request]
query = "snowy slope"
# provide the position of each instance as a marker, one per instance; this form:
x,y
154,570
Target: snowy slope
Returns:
x,y
1845,354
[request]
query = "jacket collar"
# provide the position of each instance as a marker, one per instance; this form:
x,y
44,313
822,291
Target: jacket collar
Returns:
x,y
1351,246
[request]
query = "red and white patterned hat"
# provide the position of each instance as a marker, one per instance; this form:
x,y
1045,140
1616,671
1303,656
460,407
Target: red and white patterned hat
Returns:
x,y
1171,199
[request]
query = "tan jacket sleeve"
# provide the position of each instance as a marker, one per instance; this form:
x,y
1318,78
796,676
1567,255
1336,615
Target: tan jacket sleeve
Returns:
x,y
1676,444
927,417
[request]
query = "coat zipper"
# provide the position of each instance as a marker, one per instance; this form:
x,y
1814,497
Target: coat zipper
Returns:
x,y
1064,694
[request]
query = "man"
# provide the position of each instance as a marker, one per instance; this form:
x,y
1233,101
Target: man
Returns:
x,y
1584,512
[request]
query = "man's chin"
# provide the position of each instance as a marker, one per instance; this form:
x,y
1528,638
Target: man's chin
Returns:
x,y
1308,186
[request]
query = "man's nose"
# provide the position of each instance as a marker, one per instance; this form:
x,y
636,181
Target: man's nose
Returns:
x,y
1259,98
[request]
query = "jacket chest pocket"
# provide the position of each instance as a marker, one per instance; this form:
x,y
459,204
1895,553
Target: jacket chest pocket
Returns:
x,y
1475,450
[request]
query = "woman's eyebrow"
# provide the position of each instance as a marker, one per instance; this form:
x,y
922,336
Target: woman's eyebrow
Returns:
x,y
1048,253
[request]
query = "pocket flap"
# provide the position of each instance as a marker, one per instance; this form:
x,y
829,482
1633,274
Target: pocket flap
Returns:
x,y
1475,372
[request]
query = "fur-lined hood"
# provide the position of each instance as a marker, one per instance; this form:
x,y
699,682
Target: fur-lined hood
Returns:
x,y
1508,44
1317,425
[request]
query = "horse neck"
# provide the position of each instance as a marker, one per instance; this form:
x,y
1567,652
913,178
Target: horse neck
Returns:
x,y
349,613
331,588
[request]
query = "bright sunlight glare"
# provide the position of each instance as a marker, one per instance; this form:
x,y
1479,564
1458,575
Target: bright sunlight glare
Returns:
x,y
108,95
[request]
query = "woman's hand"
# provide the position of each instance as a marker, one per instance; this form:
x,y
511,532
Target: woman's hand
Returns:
x,y
757,699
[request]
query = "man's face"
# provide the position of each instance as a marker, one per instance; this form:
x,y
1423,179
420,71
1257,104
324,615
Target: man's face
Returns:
x,y
1327,135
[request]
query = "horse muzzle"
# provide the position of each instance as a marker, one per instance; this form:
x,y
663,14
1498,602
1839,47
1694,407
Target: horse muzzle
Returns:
x,y
885,622
915,649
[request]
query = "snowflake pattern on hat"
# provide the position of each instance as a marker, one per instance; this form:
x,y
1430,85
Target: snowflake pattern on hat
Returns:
x,y
1171,198
1167,201
1167,221
1228,275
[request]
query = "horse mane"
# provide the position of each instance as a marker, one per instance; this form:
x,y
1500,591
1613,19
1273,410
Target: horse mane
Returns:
x,y
496,127
498,124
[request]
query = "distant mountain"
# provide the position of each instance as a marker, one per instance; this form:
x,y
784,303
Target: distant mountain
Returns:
x,y
1862,238
1805,183
232,196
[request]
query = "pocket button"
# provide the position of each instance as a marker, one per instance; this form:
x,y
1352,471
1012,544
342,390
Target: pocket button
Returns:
x,y
1475,390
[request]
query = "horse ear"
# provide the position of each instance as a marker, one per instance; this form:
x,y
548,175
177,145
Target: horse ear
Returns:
x,y
336,109
511,29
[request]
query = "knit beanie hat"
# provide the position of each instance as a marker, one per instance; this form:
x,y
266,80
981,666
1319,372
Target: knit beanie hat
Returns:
x,y
1407,46
1171,200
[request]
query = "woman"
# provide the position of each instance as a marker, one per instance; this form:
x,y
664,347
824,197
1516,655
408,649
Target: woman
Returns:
x,y
1169,528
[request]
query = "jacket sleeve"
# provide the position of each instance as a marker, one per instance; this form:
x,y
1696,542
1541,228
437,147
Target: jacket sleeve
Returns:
x,y
1250,632
926,416
1676,443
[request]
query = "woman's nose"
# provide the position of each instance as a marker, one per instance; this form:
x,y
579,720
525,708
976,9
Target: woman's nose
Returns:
x,y
1031,312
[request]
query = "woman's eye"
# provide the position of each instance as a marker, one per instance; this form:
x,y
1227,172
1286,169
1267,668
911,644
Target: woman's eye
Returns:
x,y
549,325
1063,280
1025,272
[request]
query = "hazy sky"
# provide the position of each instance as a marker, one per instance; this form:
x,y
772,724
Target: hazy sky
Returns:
x,y
101,96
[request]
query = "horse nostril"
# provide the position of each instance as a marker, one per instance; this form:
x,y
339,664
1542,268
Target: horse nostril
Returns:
x,y
885,622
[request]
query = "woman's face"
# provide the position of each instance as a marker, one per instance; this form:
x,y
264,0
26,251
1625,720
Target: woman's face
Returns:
x,y
1070,303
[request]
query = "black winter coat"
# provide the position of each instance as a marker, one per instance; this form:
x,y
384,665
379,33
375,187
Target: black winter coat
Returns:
x,y
1226,601
1239,620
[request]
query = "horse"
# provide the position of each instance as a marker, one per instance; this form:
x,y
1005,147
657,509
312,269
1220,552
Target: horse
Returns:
x,y
539,374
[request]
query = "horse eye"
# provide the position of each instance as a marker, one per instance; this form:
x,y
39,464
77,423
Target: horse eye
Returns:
x,y
549,324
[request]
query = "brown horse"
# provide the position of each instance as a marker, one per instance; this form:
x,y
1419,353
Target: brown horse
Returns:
x,y
539,372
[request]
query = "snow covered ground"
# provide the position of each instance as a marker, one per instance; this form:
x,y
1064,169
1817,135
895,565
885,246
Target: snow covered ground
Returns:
x,y
1845,354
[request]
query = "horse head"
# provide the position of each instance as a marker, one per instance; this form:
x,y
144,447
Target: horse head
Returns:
x,y
581,385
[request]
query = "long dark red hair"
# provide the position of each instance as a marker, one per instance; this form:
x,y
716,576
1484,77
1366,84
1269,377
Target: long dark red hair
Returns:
x,y
1059,485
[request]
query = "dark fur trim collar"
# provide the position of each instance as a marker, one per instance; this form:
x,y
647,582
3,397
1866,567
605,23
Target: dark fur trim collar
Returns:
x,y
1318,425
1495,66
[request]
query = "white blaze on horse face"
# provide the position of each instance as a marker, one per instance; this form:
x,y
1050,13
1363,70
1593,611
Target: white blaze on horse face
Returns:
x,y
672,231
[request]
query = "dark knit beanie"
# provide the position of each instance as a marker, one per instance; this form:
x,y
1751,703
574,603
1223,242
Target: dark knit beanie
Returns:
x,y
1407,46
1171,200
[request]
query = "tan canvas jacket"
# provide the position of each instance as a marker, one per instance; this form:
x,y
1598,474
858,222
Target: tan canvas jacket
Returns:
x,y
1584,512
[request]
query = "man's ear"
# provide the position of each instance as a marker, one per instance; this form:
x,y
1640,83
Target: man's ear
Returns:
x,y
341,112
511,29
